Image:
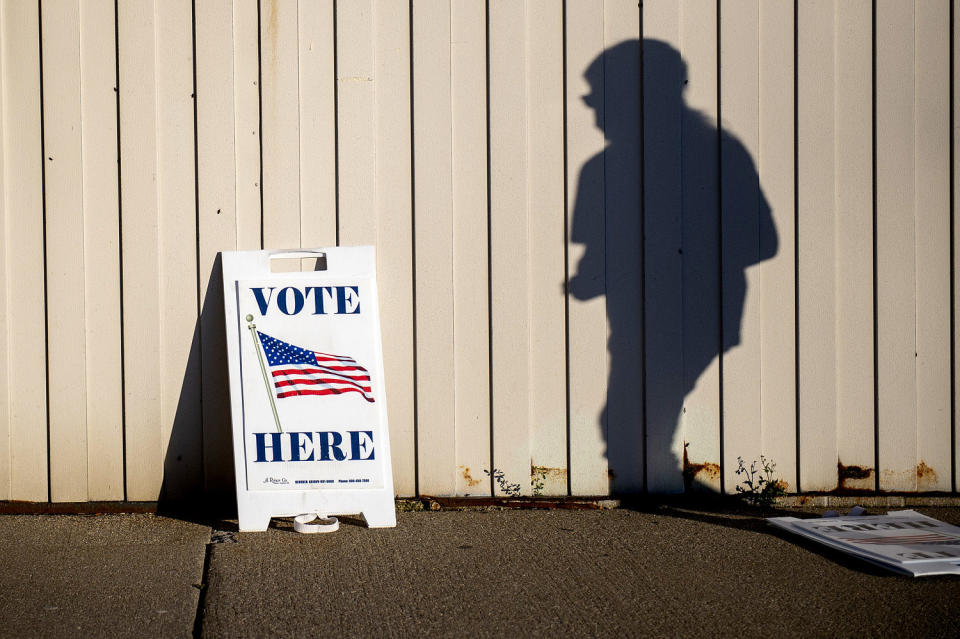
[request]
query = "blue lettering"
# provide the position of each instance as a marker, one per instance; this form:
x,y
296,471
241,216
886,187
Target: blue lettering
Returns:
x,y
326,446
298,446
348,295
262,303
318,292
360,442
297,301
274,447
318,446
341,300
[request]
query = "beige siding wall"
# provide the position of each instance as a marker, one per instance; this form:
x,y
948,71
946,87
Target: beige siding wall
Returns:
x,y
619,247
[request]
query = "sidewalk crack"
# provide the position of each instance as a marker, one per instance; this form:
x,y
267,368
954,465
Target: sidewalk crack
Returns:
x,y
203,586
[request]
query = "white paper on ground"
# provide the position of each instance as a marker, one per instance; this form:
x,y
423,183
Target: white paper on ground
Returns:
x,y
903,541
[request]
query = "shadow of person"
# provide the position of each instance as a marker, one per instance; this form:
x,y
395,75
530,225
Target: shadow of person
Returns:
x,y
670,260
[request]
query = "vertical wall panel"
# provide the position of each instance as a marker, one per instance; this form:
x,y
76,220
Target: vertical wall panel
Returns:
x,y
139,173
356,135
25,336
216,135
246,87
663,82
5,460
742,207
509,233
82,252
219,137
587,330
156,125
434,247
700,416
180,432
64,264
318,121
468,102
394,238
757,194
817,277
775,165
101,247
280,117
853,147
896,257
932,206
955,140
681,212
548,418
228,180
624,244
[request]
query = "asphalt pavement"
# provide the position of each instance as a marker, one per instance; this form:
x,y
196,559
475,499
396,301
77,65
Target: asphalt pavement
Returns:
x,y
654,570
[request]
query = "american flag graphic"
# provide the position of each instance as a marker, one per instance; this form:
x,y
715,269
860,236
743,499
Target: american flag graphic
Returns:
x,y
300,371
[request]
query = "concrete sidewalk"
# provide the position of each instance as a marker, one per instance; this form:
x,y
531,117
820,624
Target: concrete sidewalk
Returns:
x,y
665,570
110,575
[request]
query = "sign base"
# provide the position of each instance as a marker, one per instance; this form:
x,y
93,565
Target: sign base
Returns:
x,y
253,517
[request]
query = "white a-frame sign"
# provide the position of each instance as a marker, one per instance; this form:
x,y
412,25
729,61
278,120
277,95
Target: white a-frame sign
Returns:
x,y
306,387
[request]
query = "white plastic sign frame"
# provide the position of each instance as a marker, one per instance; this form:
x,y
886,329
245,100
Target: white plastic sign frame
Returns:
x,y
307,393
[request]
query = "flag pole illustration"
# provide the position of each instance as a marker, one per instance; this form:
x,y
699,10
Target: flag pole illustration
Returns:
x,y
263,369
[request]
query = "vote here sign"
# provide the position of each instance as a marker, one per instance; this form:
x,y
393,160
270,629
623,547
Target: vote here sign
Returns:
x,y
312,410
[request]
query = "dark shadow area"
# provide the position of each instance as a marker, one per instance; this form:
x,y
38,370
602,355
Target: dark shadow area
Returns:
x,y
182,486
671,214
724,510
198,474
732,512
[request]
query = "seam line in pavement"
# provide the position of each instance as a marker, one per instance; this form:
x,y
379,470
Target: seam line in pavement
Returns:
x,y
204,586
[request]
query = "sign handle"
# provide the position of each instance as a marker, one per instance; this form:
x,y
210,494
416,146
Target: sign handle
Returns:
x,y
263,369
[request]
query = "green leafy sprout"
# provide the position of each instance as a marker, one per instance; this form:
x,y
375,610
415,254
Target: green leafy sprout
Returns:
x,y
759,486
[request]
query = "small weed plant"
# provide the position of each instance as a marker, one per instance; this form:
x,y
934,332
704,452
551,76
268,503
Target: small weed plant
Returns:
x,y
759,486
538,479
409,505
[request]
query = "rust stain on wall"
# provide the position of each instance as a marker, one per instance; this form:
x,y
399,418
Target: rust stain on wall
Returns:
x,y
848,473
707,472
548,471
465,471
925,474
